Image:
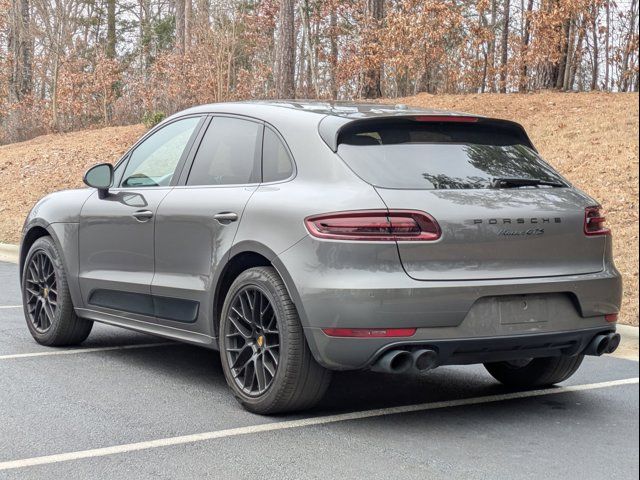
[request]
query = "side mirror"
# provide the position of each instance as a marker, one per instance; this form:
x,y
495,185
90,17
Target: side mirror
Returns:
x,y
101,177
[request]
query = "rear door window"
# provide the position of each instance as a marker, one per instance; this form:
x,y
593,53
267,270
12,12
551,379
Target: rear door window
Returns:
x,y
229,153
441,155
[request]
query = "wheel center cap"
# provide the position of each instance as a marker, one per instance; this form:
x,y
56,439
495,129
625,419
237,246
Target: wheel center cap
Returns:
x,y
45,292
260,341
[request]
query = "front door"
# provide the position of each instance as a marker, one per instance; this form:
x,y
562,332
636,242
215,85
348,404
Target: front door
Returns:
x,y
116,233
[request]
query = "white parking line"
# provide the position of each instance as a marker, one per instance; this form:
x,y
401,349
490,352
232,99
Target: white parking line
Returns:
x,y
10,306
305,422
72,351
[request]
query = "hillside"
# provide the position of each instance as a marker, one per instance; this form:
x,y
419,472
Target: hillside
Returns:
x,y
592,138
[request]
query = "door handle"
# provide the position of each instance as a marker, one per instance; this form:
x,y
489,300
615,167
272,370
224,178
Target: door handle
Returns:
x,y
226,217
143,215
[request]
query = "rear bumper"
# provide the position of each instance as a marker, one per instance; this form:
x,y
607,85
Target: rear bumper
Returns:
x,y
364,286
349,353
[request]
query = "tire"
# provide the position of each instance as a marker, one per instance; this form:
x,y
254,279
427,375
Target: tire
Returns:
x,y
60,326
299,381
538,372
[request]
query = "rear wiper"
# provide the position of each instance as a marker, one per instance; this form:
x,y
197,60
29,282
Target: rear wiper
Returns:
x,y
522,182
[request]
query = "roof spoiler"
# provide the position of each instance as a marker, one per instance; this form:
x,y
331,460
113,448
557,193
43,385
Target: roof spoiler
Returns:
x,y
332,126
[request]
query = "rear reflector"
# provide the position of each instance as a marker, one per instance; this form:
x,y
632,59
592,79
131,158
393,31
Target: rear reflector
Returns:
x,y
369,332
375,225
611,317
594,222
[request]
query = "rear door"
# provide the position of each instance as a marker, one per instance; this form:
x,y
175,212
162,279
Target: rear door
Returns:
x,y
490,230
116,251
197,221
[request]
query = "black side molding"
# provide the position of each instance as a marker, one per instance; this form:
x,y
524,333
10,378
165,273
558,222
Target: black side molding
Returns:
x,y
169,308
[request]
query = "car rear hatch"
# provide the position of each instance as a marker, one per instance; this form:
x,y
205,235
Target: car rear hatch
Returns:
x,y
503,212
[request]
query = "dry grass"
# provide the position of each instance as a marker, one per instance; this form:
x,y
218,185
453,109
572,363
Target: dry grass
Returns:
x,y
592,138
29,170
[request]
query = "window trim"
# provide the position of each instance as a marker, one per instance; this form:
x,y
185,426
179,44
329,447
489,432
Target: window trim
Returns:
x,y
181,162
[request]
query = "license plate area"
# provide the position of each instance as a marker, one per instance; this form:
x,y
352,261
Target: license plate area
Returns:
x,y
524,309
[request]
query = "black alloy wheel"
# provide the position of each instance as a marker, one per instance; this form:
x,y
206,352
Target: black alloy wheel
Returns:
x,y
253,341
41,291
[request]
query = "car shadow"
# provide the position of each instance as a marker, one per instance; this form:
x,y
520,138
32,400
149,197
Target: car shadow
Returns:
x,y
349,391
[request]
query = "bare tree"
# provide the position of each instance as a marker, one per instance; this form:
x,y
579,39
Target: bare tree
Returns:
x,y
594,48
505,47
286,52
180,24
333,54
111,29
373,76
607,45
188,21
526,38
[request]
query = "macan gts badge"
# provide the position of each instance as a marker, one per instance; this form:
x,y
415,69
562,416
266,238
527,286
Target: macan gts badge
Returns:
x,y
300,238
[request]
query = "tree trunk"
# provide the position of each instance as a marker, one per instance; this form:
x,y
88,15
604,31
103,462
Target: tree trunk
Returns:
x,y
606,44
111,29
333,55
188,20
577,56
564,53
625,74
179,41
203,13
285,78
526,38
20,48
373,76
569,57
491,54
594,32
505,47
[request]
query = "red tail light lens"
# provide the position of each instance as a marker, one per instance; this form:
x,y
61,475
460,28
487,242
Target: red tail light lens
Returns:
x,y
369,332
594,222
375,225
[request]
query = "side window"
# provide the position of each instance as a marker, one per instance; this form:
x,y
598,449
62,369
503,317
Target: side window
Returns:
x,y
276,162
228,154
153,162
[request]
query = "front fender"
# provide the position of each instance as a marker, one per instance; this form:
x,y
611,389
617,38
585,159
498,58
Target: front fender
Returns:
x,y
58,214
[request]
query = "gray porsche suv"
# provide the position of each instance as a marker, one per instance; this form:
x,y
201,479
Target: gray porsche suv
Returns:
x,y
298,238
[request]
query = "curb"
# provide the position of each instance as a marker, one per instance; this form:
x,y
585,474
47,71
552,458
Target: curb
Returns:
x,y
9,253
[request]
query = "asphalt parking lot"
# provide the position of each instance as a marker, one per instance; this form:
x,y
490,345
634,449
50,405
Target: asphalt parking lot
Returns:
x,y
127,405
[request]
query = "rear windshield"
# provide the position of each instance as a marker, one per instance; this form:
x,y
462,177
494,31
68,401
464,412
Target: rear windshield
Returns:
x,y
441,155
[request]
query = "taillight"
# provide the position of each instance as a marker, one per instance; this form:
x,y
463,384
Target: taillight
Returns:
x,y
374,225
369,332
594,222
